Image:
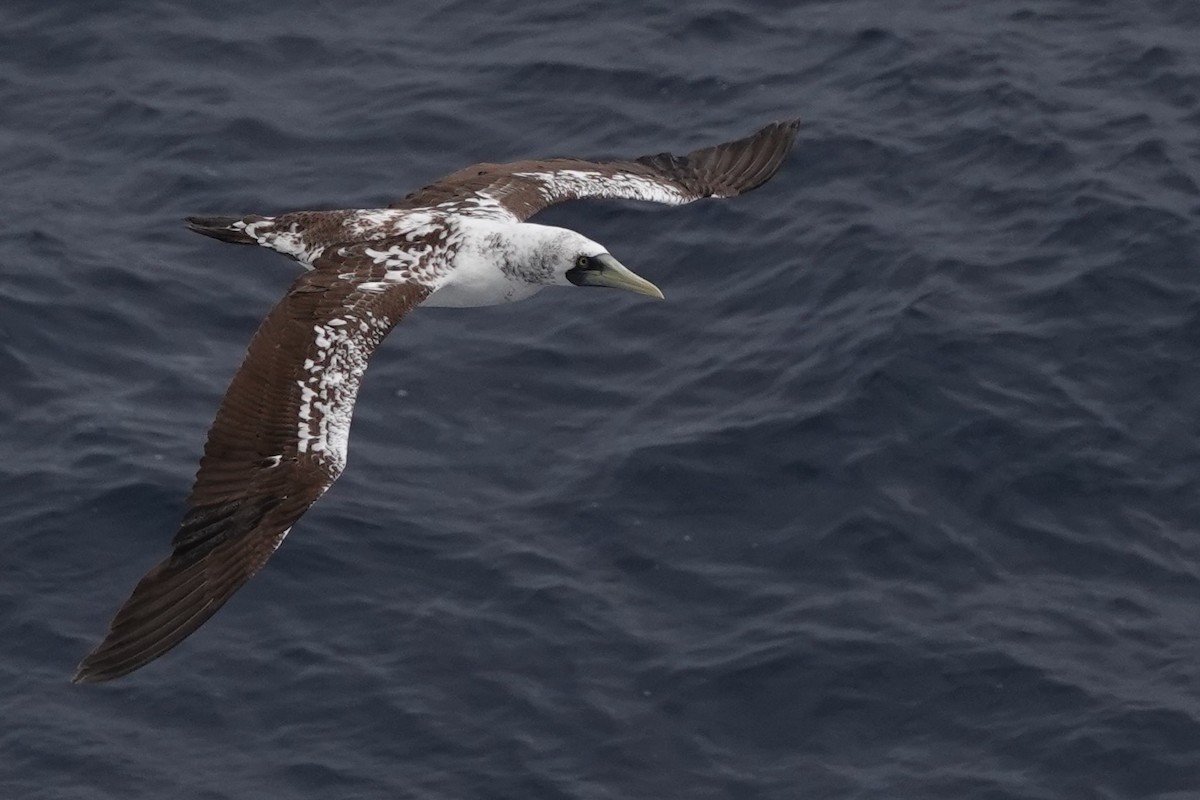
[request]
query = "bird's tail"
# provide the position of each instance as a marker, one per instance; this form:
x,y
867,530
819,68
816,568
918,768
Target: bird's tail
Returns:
x,y
227,229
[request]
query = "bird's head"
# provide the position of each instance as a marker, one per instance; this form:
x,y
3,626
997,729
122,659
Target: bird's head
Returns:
x,y
576,260
601,269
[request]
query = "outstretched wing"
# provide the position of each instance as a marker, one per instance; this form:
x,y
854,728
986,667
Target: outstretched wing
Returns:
x,y
278,442
519,190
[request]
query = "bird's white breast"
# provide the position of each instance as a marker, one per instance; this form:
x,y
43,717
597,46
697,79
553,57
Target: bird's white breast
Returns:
x,y
476,261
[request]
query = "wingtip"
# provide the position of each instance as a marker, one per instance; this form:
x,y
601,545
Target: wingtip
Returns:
x,y
788,127
221,228
85,673
91,670
742,165
81,677
200,224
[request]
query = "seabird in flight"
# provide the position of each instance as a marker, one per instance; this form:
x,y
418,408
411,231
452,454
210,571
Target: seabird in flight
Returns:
x,y
279,439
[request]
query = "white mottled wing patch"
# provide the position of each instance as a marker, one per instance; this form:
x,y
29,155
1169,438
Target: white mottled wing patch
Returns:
x,y
329,386
511,199
481,205
288,239
565,184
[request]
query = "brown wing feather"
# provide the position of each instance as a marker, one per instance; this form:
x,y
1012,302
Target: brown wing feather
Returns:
x,y
524,188
259,473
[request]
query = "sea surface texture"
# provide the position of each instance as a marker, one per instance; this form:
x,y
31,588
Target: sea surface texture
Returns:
x,y
896,496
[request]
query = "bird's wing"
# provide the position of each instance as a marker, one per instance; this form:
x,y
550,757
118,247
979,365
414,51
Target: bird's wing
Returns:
x,y
278,442
519,190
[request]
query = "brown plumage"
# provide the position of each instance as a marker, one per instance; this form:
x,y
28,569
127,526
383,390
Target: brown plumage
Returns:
x,y
725,170
280,436
254,481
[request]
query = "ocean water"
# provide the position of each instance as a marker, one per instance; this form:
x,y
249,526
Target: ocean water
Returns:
x,y
894,497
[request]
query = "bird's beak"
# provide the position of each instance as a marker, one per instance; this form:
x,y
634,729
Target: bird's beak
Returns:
x,y
604,270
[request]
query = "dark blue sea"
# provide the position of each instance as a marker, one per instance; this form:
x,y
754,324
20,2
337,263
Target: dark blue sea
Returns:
x,y
896,496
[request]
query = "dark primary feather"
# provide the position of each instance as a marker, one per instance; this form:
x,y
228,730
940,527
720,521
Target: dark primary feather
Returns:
x,y
221,228
254,480
724,170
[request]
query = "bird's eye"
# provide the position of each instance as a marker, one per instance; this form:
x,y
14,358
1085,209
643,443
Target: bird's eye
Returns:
x,y
582,261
